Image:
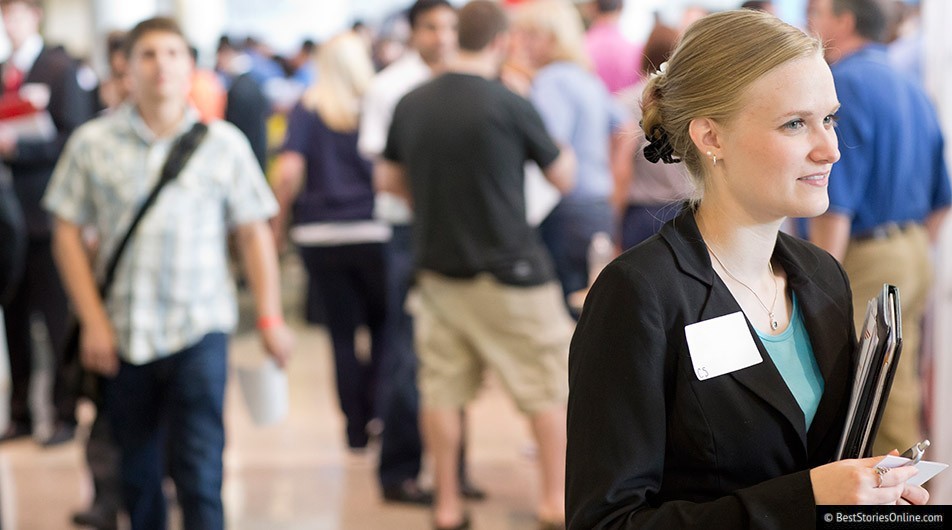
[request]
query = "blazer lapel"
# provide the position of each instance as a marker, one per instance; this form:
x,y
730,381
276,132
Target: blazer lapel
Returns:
x,y
763,379
37,68
826,331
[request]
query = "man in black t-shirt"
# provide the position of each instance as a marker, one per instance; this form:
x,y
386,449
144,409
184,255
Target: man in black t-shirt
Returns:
x,y
487,294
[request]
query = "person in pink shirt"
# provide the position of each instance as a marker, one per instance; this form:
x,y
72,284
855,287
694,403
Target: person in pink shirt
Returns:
x,y
616,58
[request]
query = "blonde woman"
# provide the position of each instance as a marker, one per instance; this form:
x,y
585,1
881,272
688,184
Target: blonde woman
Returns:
x,y
658,435
579,112
324,187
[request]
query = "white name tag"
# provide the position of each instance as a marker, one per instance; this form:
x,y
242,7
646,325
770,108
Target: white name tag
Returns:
x,y
721,345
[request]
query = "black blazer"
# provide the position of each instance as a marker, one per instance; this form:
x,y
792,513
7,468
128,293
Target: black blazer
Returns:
x,y
33,164
650,445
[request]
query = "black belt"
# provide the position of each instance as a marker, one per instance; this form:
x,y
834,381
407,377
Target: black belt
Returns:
x,y
884,231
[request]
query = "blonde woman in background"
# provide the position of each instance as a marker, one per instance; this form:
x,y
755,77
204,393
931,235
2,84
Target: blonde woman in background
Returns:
x,y
579,112
325,191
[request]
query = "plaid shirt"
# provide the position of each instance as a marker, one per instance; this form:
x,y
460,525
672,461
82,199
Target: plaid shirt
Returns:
x,y
172,285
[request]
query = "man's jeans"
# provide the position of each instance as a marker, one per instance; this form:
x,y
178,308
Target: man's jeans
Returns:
x,y
401,446
172,407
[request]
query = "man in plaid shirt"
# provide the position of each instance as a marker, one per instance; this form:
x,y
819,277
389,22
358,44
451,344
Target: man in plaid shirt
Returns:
x,y
160,339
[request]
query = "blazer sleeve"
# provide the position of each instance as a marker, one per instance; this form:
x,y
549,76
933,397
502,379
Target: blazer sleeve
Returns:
x,y
620,369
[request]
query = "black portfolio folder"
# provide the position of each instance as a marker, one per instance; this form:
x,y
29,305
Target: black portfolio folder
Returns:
x,y
879,347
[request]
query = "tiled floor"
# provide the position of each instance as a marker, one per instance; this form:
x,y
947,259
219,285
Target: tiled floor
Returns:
x,y
297,474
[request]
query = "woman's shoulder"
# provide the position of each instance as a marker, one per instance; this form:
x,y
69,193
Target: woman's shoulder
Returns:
x,y
807,253
301,116
570,76
650,263
815,262
650,251
560,70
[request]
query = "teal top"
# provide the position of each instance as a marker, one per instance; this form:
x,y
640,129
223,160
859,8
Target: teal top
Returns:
x,y
792,354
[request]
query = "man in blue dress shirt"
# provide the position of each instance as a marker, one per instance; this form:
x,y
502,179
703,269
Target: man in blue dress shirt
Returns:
x,y
888,193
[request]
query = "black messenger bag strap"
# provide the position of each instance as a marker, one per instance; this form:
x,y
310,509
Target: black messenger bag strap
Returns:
x,y
181,152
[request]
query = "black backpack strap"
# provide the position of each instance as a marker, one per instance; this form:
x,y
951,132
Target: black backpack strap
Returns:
x,y
179,155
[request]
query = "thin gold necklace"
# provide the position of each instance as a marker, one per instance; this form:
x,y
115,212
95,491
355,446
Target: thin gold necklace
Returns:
x,y
770,310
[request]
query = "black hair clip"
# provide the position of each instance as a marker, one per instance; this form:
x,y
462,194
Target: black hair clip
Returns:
x,y
659,148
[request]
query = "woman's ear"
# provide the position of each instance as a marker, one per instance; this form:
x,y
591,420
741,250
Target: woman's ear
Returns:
x,y
705,134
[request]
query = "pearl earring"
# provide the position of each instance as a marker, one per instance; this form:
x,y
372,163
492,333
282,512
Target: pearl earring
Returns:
x,y
713,158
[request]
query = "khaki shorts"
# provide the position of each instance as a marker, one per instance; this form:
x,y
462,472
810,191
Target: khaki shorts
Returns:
x,y
463,326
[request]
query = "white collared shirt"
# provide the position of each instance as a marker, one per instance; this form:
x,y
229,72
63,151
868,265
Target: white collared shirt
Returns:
x,y
173,284
24,57
385,91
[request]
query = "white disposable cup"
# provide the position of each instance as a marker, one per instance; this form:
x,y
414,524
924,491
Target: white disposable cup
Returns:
x,y
265,390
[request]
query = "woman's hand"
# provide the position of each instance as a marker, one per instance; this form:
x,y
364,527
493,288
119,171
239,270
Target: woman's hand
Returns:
x,y
913,495
856,481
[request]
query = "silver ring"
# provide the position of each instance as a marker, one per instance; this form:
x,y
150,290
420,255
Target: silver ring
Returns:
x,y
880,472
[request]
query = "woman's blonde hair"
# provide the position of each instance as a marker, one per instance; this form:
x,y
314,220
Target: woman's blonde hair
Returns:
x,y
345,69
562,21
718,58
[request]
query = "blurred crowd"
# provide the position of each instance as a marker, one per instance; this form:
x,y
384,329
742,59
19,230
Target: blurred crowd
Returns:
x,y
370,191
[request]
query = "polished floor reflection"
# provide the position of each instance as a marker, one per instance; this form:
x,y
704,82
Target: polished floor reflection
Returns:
x,y
297,474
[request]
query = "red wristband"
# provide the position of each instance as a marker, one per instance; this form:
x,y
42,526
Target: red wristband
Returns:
x,y
269,321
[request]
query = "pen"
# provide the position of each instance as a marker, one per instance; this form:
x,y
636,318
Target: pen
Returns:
x,y
915,452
